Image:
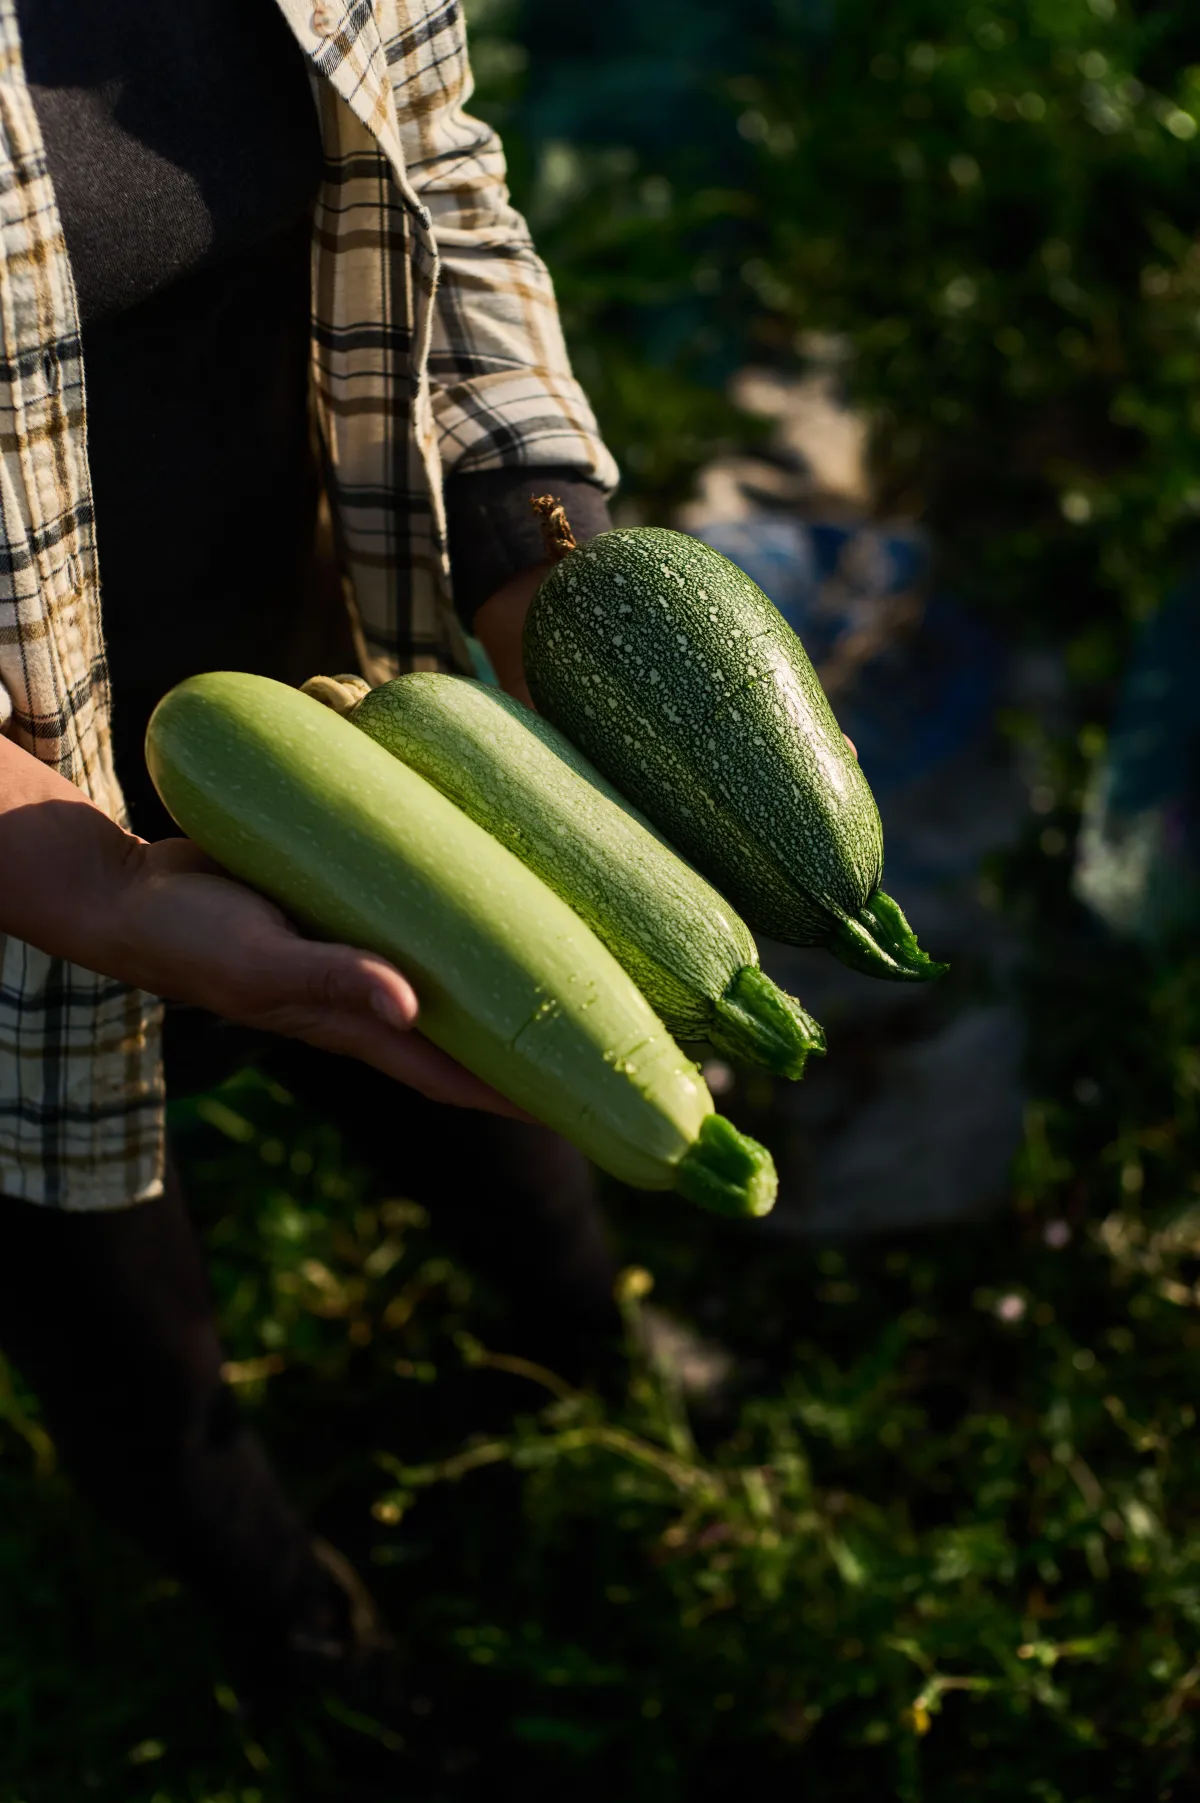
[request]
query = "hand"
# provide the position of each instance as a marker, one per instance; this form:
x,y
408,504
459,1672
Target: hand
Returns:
x,y
181,929
500,623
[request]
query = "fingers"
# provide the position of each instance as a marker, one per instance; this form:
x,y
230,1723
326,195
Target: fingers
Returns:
x,y
355,979
200,937
359,1005
852,745
331,981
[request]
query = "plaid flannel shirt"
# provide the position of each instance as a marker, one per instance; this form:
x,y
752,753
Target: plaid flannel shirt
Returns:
x,y
436,347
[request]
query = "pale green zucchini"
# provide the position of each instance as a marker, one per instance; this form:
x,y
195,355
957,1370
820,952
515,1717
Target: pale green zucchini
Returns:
x,y
688,951
672,671
290,798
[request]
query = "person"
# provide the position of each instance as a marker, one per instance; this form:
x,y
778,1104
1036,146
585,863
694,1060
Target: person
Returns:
x,y
280,372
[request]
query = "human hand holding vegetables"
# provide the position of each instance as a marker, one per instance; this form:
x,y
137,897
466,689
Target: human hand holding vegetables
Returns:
x,y
163,918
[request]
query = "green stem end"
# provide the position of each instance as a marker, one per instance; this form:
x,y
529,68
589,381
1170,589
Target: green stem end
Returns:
x,y
880,942
757,1023
726,1172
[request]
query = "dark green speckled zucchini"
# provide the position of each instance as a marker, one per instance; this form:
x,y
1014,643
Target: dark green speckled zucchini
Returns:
x,y
672,671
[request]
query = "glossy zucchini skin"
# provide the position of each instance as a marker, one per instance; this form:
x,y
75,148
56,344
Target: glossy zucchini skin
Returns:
x,y
291,799
673,672
516,775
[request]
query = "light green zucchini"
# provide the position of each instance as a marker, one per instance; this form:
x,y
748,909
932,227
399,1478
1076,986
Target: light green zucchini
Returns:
x,y
672,671
688,951
290,798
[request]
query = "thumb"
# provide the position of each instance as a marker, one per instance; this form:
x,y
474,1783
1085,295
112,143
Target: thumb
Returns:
x,y
332,980
357,1004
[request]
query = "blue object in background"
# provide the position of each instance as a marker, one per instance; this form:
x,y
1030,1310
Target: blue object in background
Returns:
x,y
1138,856
918,675
924,699
825,577
779,554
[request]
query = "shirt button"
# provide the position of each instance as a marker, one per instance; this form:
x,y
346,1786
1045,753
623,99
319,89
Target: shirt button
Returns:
x,y
323,22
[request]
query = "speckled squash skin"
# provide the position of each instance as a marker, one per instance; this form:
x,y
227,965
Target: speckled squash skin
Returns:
x,y
672,671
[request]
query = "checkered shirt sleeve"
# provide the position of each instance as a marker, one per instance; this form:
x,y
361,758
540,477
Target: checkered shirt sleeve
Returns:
x,y
435,347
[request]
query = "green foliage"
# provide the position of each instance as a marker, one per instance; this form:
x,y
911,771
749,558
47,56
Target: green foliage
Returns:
x,y
949,1538
996,208
943,1538
990,206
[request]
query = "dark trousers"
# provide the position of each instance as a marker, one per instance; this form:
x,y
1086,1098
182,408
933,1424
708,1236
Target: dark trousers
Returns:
x,y
109,1318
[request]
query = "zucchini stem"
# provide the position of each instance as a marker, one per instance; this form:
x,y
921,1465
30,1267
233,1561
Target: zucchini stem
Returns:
x,y
557,536
879,942
756,1022
726,1172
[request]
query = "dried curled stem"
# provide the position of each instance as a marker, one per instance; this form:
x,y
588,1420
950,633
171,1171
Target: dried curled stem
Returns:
x,y
556,529
341,693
